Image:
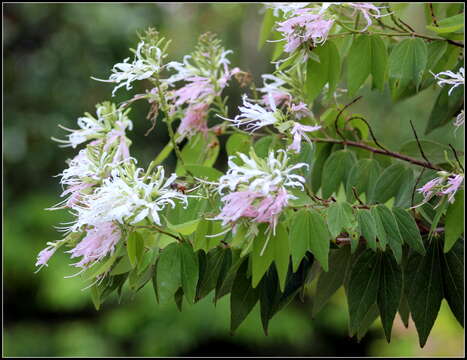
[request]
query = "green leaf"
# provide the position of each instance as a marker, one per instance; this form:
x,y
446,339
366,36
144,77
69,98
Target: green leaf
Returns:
x,y
404,310
262,255
363,287
199,150
269,297
367,56
409,230
424,289
210,276
389,293
453,279
390,227
164,153
168,272
367,227
446,107
340,217
329,282
433,150
436,51
242,299
317,236
189,271
388,183
187,228
406,64
264,145
281,248
299,237
336,170
448,25
370,317
380,231
266,27
238,143
327,70
204,172
454,222
363,177
202,239
323,150
135,247
224,287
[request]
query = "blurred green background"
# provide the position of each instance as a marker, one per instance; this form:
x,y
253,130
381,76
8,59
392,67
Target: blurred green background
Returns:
x,y
50,52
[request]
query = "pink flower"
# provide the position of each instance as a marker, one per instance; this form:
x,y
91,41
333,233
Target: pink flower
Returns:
x,y
277,97
300,110
303,27
368,10
428,189
242,204
199,87
454,181
270,208
44,256
238,204
298,131
122,153
98,243
75,192
195,120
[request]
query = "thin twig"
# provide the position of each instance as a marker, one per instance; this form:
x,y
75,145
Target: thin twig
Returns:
x,y
432,12
378,151
457,158
355,193
415,188
370,129
340,113
418,143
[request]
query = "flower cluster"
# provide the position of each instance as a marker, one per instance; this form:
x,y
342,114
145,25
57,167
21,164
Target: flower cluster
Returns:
x,y
445,185
148,60
258,188
206,73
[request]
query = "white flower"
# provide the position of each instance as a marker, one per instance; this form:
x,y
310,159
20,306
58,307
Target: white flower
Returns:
x,y
128,198
262,175
142,67
451,79
255,116
285,8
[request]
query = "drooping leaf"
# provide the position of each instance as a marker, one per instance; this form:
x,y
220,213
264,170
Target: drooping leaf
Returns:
x,y
189,270
409,230
380,230
446,107
340,217
209,277
424,288
389,293
453,279
448,25
390,227
367,227
243,297
454,222
363,287
319,238
168,273
329,282
336,170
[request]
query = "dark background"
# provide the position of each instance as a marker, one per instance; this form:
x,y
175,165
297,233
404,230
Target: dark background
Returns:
x,y
50,52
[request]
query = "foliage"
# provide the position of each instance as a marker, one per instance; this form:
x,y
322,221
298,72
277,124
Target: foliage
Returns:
x,y
335,211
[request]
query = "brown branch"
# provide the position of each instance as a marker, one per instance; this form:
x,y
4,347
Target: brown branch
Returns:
x,y
378,151
419,144
432,12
